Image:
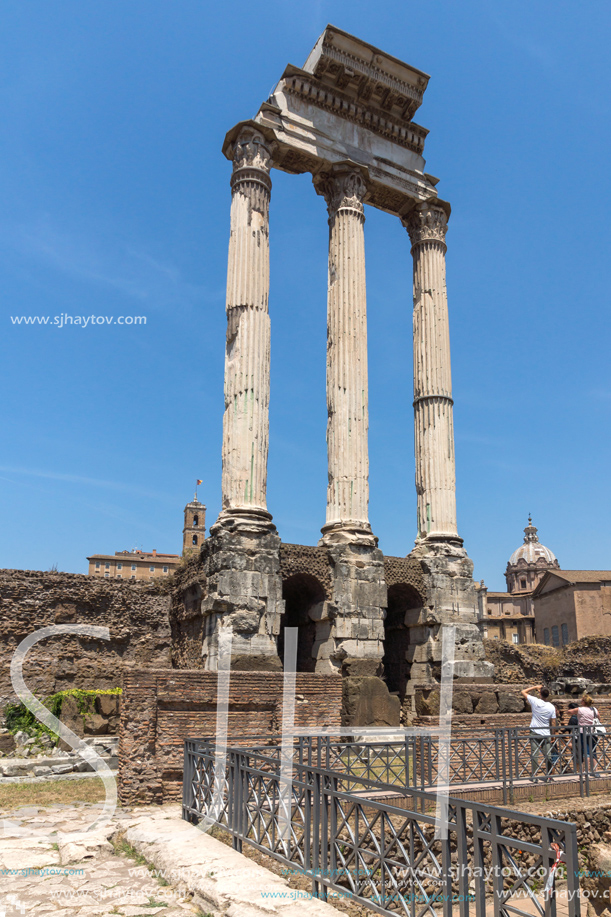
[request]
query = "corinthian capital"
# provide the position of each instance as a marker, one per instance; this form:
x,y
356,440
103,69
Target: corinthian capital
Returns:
x,y
251,150
426,223
342,189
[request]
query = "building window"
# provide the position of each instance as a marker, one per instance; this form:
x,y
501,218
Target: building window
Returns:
x,y
132,576
515,638
151,569
490,611
546,635
107,574
194,539
119,566
496,636
165,569
555,636
565,633
485,629
119,576
97,566
133,566
107,566
196,519
523,584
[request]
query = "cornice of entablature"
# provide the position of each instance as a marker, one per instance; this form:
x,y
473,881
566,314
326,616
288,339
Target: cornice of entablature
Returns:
x,y
342,61
376,112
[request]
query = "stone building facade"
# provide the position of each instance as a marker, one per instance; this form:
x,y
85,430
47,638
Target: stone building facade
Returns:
x,y
572,604
133,565
510,615
346,118
545,604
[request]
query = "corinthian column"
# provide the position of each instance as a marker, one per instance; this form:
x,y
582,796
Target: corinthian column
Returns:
x,y
347,397
246,418
433,405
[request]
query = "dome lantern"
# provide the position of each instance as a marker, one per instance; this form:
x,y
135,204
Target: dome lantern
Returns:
x,y
529,562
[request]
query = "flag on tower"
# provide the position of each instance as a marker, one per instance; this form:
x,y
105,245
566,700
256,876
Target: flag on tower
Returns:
x,y
198,482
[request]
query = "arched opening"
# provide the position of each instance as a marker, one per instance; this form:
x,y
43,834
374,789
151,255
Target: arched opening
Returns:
x,y
194,539
302,593
195,519
401,598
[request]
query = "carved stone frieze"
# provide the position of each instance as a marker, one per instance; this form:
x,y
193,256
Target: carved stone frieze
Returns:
x,y
426,223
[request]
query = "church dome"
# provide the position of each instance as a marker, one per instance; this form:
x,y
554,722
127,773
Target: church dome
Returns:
x,y
532,551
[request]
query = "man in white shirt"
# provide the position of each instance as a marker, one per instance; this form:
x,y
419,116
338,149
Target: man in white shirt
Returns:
x,y
542,724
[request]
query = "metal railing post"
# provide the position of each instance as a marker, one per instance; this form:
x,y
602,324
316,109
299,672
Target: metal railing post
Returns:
x,y
571,858
316,790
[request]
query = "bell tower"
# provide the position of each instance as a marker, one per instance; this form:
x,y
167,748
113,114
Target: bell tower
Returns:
x,y
194,531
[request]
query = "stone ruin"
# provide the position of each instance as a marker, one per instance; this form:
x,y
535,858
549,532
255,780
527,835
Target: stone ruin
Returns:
x,y
345,117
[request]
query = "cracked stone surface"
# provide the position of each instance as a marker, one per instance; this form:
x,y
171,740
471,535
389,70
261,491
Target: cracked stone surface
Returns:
x,y
166,867
65,873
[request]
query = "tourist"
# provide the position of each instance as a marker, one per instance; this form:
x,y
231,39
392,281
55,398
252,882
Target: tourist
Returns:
x,y
587,714
573,717
542,724
571,733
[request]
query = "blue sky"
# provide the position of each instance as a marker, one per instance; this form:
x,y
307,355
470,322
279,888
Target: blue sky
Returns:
x,y
114,201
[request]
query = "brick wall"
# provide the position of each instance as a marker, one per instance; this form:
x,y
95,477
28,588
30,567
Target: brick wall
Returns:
x,y
558,608
136,615
161,708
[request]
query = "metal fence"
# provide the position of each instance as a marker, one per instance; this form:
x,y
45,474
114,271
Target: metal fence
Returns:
x,y
328,825
506,757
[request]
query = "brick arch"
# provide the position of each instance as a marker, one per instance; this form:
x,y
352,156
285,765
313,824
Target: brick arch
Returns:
x,y
308,559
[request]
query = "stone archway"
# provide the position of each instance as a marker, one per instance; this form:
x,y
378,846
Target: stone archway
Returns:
x,y
401,598
303,594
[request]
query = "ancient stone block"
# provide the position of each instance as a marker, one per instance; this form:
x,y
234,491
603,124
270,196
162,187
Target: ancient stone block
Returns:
x,y
427,702
71,717
245,622
510,703
254,663
360,667
367,702
487,703
107,704
14,770
461,702
96,725
7,743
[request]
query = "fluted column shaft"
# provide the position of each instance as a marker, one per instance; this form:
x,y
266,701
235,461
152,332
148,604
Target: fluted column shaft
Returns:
x,y
247,357
347,518
433,405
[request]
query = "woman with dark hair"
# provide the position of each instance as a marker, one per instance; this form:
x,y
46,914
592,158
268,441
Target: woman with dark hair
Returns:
x,y
572,734
586,715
